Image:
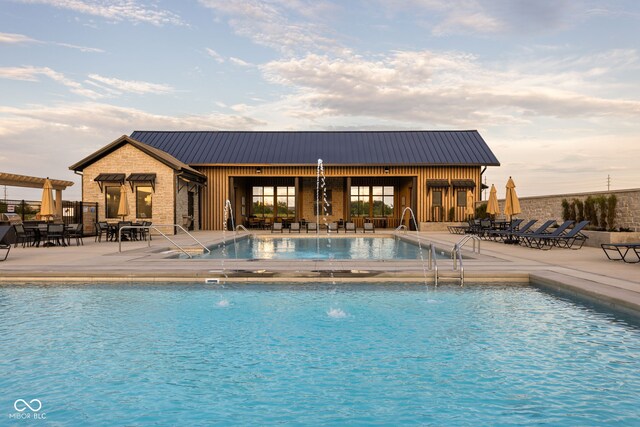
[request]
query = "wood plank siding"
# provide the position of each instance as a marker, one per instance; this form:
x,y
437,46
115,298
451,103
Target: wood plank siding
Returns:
x,y
217,190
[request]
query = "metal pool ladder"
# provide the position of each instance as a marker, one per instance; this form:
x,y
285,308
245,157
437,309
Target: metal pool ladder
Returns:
x,y
456,255
155,227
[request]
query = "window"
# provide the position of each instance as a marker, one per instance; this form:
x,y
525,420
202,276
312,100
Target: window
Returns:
x,y
436,198
461,199
286,201
112,201
360,201
274,201
372,201
143,201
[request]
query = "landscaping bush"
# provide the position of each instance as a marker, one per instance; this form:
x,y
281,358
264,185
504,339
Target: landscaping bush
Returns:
x,y
481,211
565,210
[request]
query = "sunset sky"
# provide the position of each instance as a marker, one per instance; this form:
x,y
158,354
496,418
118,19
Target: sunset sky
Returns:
x,y
552,85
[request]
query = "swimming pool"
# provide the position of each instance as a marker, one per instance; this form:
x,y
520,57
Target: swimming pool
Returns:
x,y
315,355
323,248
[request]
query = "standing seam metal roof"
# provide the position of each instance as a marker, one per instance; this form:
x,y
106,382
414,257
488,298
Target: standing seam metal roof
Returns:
x,y
338,148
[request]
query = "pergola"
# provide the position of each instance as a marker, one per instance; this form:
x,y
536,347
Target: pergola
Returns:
x,y
13,180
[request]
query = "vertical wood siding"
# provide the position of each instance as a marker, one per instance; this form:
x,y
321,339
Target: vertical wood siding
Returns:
x,y
217,190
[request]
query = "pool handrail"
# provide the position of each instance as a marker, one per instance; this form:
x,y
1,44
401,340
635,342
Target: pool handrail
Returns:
x,y
155,227
457,256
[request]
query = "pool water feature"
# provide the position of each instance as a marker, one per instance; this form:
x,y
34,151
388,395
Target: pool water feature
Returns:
x,y
321,248
315,355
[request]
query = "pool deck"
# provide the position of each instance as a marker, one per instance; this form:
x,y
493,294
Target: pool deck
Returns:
x,y
586,272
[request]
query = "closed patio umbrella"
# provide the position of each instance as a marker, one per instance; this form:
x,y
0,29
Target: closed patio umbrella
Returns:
x,y
470,204
511,202
47,208
492,205
123,207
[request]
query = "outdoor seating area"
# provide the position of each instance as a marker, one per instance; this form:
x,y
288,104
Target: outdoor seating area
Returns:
x,y
128,230
567,235
626,252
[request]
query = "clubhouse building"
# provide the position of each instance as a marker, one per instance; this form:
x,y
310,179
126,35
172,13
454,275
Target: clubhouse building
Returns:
x,y
187,177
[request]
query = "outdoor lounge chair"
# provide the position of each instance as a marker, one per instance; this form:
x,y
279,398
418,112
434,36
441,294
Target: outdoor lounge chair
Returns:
x,y
276,227
332,227
499,233
312,226
542,240
627,252
349,226
522,233
504,235
464,229
568,239
74,231
295,226
7,238
368,226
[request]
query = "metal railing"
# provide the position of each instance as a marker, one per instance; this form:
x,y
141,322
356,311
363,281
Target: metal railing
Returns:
x,y
456,253
155,227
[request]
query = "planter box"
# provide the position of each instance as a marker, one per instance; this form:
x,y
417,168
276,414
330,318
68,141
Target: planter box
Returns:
x,y
598,237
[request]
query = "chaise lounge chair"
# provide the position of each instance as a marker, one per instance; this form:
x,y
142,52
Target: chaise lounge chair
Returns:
x,y
542,240
515,228
517,237
7,238
565,239
622,251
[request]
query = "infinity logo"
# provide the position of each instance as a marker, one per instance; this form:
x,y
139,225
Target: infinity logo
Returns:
x,y
26,405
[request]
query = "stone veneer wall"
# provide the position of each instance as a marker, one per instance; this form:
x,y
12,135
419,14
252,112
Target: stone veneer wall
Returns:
x,y
549,207
182,205
128,159
309,199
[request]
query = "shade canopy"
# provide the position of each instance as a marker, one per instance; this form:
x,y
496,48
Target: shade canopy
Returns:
x,y
123,207
511,203
48,207
492,205
470,204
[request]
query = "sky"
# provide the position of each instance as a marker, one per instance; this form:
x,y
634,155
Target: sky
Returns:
x,y
553,86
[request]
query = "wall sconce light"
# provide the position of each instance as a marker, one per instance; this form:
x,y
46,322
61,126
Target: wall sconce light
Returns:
x,y
386,169
258,170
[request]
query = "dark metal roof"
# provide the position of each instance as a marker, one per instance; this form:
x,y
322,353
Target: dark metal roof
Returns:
x,y
337,148
142,177
463,183
437,183
110,177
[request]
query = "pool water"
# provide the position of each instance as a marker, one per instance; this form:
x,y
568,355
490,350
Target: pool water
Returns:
x,y
324,248
314,355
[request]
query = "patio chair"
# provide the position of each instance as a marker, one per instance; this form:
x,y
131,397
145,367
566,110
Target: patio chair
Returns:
x,y
102,229
55,235
74,231
276,227
622,251
22,235
349,226
541,240
312,226
568,239
7,238
294,227
332,227
145,231
368,226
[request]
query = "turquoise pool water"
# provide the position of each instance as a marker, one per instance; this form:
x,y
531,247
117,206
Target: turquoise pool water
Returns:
x,y
320,248
313,355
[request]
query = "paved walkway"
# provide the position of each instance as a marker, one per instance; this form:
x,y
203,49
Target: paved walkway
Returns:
x,y
586,271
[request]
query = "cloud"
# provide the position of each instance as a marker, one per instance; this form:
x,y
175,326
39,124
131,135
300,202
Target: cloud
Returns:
x,y
132,86
240,62
10,38
450,88
449,17
215,55
32,74
116,10
286,26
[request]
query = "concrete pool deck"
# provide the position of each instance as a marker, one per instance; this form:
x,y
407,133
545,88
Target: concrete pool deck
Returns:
x,y
586,272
